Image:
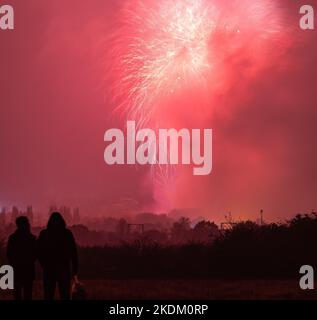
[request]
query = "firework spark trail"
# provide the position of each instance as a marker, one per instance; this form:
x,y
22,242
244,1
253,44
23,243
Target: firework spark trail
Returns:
x,y
163,47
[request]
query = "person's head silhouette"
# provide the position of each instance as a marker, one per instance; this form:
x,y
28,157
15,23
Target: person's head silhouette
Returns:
x,y
56,221
23,224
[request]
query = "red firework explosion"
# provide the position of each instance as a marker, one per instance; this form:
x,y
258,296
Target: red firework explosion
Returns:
x,y
164,47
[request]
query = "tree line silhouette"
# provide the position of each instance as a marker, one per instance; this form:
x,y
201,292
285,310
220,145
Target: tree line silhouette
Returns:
x,y
248,250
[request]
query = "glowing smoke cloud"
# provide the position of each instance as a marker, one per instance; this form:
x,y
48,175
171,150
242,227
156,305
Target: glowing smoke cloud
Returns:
x,y
164,48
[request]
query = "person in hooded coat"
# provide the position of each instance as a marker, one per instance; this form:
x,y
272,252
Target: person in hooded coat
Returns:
x,y
57,253
21,253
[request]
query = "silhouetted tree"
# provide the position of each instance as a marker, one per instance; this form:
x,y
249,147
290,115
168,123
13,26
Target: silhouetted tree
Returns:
x,y
181,230
122,227
205,232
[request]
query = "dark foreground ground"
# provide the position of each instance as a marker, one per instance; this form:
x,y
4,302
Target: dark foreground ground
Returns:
x,y
188,289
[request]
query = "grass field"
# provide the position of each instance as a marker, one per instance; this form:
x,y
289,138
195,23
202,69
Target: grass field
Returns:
x,y
187,289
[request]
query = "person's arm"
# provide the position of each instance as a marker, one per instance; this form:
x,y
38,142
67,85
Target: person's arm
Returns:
x,y
74,255
10,250
39,249
35,249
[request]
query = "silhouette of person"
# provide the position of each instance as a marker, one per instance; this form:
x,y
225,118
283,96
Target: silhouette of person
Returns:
x,y
21,252
57,253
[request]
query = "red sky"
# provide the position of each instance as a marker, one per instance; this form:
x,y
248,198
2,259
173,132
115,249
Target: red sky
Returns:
x,y
54,111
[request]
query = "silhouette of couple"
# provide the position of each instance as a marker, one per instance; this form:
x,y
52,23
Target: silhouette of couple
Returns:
x,y
56,251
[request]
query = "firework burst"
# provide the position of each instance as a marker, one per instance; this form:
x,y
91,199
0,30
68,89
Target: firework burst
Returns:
x,y
161,48
165,55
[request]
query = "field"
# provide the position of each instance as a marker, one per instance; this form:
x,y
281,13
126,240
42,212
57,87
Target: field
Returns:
x,y
188,289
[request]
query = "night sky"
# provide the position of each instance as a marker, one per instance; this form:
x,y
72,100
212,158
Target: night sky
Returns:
x,y
56,104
